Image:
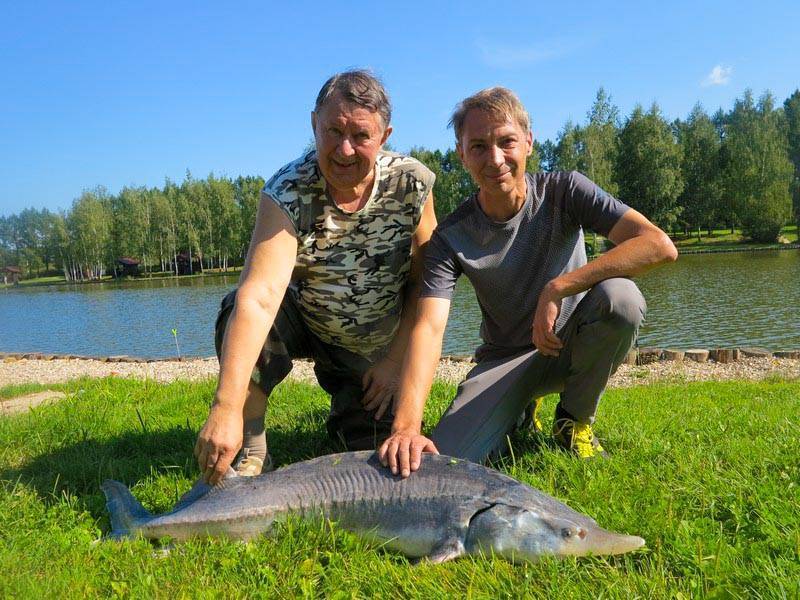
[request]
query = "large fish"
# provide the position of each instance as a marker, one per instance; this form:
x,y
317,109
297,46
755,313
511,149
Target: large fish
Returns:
x,y
447,508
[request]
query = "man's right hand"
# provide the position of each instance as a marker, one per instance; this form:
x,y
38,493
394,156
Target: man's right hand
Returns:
x,y
402,451
218,442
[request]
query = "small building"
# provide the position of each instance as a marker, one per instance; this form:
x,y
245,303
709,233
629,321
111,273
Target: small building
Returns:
x,y
127,267
187,266
11,275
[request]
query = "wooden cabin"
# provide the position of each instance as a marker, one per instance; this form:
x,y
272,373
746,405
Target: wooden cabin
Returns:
x,y
11,275
127,267
185,267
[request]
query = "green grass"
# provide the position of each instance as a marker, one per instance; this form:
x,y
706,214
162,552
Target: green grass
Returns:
x,y
59,279
720,239
707,473
723,239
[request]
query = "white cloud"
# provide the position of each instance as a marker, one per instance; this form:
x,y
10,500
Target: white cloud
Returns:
x,y
720,75
510,57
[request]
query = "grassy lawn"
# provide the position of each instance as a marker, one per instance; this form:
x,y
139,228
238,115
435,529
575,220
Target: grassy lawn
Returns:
x,y
707,473
59,279
722,239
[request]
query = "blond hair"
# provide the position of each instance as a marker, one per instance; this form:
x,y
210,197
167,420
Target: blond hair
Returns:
x,y
496,101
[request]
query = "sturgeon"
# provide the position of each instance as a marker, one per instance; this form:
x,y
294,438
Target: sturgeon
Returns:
x,y
449,507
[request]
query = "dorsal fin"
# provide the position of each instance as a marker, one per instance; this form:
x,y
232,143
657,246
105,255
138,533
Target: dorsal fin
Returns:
x,y
201,488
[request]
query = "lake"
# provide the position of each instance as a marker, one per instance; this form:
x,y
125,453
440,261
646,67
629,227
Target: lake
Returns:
x,y
701,301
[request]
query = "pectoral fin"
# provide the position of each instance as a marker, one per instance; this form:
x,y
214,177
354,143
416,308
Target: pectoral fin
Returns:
x,y
445,551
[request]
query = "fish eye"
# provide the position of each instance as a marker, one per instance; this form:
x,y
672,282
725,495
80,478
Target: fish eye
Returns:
x,y
569,533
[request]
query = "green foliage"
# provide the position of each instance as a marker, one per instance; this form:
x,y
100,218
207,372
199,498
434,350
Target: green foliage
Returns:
x,y
599,150
649,166
567,148
791,109
702,192
734,168
453,182
707,473
592,148
89,227
758,172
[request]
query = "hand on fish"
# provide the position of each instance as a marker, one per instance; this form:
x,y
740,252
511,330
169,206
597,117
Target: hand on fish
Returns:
x,y
402,451
218,442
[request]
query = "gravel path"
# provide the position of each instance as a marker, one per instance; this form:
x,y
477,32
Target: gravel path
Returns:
x,y
21,371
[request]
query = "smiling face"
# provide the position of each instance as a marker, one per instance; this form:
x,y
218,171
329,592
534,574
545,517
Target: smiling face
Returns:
x,y
348,138
494,149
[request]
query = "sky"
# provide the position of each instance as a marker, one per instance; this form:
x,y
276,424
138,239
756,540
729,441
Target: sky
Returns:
x,y
131,93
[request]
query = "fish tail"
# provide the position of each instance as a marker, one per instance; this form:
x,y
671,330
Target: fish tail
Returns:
x,y
125,510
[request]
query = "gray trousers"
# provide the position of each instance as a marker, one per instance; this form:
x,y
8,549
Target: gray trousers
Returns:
x,y
596,338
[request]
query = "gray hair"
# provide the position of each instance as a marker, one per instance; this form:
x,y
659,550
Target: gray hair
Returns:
x,y
496,101
360,87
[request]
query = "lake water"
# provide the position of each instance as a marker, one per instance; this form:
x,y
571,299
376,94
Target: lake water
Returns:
x,y
702,301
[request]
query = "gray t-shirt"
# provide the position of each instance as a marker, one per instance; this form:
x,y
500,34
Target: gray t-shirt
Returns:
x,y
509,263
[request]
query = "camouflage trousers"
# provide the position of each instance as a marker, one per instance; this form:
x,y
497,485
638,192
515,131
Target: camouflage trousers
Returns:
x,y
338,371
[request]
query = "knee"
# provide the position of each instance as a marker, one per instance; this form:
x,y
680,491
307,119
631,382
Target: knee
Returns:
x,y
622,302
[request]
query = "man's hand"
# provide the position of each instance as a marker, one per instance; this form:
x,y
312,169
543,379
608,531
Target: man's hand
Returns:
x,y
402,452
380,384
544,322
218,442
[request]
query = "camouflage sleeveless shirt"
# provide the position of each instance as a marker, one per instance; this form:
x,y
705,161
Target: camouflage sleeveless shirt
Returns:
x,y
351,267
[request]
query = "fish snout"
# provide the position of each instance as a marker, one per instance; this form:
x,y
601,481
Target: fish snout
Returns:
x,y
600,541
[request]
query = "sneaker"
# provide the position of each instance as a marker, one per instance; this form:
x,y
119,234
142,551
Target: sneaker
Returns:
x,y
250,466
577,438
530,417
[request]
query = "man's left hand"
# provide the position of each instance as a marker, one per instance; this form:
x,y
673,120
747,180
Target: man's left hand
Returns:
x,y
380,384
544,321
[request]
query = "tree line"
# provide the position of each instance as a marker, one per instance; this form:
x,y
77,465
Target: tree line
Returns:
x,y
739,168
204,222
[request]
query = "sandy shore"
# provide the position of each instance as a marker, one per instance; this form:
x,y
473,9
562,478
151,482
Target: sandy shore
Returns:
x,y
19,371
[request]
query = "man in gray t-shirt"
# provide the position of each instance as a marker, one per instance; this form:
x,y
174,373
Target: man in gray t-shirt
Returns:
x,y
552,322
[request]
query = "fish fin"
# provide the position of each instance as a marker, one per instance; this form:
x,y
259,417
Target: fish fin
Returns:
x,y
201,488
447,550
126,512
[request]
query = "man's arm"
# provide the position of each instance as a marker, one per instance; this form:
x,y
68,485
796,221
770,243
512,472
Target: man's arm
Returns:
x,y
640,247
380,381
263,283
402,452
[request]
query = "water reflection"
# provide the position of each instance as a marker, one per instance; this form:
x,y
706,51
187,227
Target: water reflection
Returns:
x,y
701,301
742,299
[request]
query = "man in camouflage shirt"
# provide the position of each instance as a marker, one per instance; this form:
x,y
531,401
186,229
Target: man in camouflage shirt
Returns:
x,y
332,274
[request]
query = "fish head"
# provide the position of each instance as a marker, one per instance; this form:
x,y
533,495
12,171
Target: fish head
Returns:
x,y
521,534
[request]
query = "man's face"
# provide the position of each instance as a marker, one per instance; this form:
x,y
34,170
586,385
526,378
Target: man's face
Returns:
x,y
348,138
494,149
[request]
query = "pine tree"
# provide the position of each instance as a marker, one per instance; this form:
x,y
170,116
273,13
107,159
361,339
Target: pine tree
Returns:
x,y
648,166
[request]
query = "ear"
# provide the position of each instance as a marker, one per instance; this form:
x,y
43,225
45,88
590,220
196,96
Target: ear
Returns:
x,y
313,122
529,139
460,151
386,133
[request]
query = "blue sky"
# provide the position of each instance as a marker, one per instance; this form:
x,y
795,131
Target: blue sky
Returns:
x,y
116,94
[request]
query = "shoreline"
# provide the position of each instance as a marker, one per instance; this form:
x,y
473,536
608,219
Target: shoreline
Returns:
x,y
235,271
17,371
